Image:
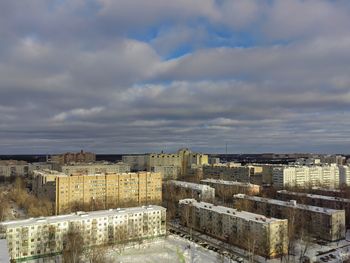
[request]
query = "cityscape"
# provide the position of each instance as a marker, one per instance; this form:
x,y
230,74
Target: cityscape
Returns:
x,y
183,206
174,131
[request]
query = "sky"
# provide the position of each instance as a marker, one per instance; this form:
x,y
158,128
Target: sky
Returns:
x,y
116,76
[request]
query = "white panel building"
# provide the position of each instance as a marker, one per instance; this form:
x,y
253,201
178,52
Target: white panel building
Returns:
x,y
306,176
43,236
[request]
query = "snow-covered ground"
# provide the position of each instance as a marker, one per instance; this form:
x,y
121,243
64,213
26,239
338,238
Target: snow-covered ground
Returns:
x,y
171,249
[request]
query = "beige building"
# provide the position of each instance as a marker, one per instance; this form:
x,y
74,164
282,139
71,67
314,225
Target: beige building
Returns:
x,y
228,172
322,223
182,161
13,168
95,168
226,189
45,236
318,200
306,176
260,235
99,191
79,157
107,190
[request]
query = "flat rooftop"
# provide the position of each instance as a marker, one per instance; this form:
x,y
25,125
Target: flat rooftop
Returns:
x,y
313,196
80,215
219,181
231,211
200,187
291,203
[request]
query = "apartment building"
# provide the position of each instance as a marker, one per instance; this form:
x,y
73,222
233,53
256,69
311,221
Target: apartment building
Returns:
x,y
45,236
182,161
98,191
13,168
306,176
95,168
176,190
107,190
226,189
79,157
318,200
39,166
44,183
322,223
344,175
228,172
136,162
260,235
167,172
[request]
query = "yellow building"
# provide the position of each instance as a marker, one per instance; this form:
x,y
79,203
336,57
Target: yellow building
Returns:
x,y
101,191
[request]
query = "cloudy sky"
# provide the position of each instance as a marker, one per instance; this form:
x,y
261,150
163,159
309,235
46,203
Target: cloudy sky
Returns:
x,y
116,76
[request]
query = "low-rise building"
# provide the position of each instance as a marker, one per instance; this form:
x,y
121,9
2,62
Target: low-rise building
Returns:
x,y
95,168
45,236
318,200
176,190
39,166
227,172
323,223
264,236
226,189
13,168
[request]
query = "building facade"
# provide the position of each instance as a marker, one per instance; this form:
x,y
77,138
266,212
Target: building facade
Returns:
x,y
95,168
226,189
306,176
45,236
344,175
318,200
170,165
230,173
267,237
79,157
102,191
13,168
176,190
322,223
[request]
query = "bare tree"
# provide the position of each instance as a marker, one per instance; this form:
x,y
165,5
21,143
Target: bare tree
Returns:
x,y
72,246
97,255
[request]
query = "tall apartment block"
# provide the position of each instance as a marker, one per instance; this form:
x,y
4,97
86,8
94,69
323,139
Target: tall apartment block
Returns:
x,y
45,236
95,168
181,162
322,223
344,174
306,176
267,237
89,192
13,168
79,157
226,189
318,200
